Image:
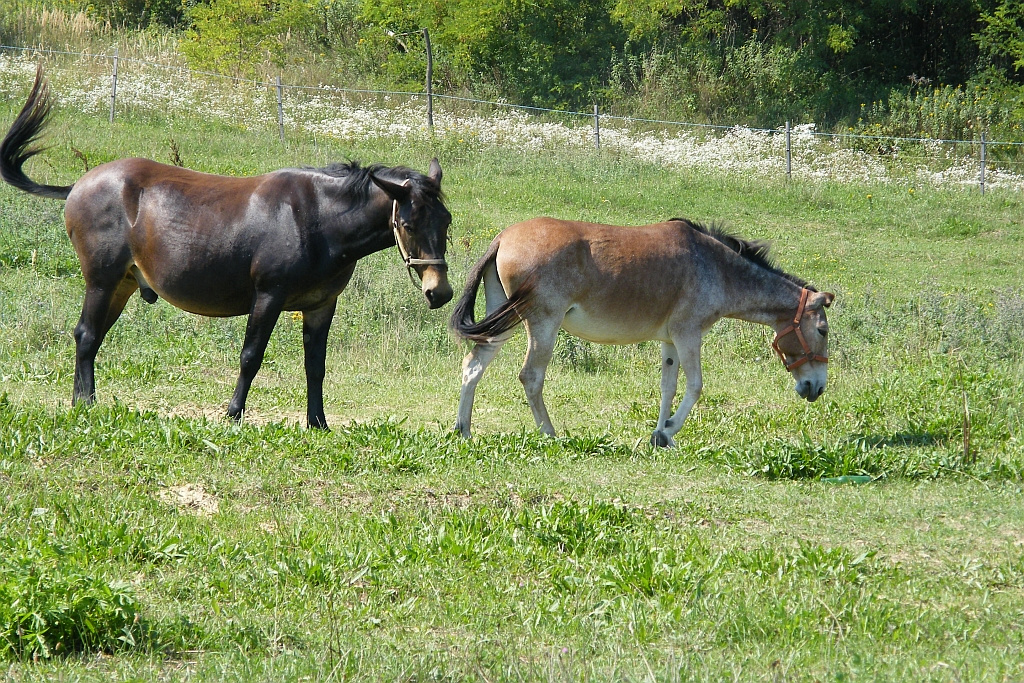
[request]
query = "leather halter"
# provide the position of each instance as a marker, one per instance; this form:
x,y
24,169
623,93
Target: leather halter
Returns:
x,y
406,259
794,328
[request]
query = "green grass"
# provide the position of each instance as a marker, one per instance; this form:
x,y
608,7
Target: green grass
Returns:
x,y
152,539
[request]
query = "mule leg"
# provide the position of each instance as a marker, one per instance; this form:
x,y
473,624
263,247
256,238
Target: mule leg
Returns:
x,y
473,367
669,382
688,348
541,336
315,327
477,360
89,333
265,310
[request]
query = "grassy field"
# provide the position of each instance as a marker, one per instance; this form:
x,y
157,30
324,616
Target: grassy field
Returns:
x,y
149,538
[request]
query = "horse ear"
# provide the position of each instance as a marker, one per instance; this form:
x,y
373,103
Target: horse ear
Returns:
x,y
435,171
398,191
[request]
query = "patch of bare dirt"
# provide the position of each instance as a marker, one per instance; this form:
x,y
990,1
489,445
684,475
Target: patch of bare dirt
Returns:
x,y
190,498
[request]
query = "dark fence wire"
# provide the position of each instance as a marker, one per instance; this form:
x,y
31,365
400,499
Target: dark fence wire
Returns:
x,y
595,116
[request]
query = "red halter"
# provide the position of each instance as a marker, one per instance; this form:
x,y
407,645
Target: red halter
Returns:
x,y
794,327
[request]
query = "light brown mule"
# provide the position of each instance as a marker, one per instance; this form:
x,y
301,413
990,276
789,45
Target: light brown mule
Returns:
x,y
617,285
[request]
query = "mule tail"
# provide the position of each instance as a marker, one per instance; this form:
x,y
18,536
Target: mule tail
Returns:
x,y
502,319
19,145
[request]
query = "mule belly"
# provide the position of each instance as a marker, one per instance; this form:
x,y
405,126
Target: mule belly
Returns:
x,y
606,329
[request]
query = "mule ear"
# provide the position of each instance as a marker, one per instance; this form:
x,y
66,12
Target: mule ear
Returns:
x,y
434,173
829,297
399,191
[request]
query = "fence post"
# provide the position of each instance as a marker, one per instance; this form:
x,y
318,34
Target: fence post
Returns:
x,y
982,176
789,154
113,88
280,109
430,79
597,128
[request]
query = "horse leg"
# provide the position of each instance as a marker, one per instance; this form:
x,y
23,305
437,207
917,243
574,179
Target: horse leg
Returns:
x,y
315,326
473,367
120,299
265,310
688,348
669,382
541,336
89,333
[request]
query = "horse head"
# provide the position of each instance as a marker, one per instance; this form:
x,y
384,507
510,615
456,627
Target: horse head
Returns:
x,y
420,221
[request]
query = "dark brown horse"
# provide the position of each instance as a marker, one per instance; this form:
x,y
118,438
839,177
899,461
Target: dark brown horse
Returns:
x,y
222,246
615,285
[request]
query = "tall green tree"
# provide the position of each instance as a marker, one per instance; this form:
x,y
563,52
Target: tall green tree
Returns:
x,y
1001,39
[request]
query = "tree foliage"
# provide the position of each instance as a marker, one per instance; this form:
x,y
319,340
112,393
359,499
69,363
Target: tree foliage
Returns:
x,y
754,62
235,36
544,52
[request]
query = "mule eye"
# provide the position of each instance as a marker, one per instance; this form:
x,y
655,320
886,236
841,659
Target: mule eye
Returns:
x,y
823,331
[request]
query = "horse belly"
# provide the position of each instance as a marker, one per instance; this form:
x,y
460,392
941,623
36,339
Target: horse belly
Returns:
x,y
611,329
212,291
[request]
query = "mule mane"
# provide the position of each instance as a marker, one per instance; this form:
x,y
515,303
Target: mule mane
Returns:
x,y
757,252
357,179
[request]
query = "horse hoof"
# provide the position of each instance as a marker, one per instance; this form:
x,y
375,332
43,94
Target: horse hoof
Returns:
x,y
660,439
463,432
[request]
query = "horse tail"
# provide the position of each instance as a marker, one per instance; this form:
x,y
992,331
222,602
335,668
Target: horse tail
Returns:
x,y
18,145
500,320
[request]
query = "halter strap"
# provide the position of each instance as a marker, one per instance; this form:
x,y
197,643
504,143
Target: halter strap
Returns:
x,y
794,328
406,259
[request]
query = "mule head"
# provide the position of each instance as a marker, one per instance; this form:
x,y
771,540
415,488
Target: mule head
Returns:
x,y
420,222
802,344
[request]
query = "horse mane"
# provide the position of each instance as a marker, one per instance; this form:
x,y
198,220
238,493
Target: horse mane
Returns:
x,y
757,252
357,179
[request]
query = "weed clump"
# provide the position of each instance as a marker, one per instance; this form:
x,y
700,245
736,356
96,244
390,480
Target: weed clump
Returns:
x,y
48,611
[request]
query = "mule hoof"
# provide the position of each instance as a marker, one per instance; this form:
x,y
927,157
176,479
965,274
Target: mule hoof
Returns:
x,y
148,295
463,431
660,439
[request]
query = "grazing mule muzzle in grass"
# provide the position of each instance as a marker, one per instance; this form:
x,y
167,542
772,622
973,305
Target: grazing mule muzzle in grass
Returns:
x,y
616,285
802,343
214,245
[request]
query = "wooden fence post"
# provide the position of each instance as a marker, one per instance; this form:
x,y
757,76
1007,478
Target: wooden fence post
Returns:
x,y
113,88
597,128
981,177
280,109
430,79
789,154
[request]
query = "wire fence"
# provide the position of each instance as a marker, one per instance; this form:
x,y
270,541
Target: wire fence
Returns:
x,y
795,151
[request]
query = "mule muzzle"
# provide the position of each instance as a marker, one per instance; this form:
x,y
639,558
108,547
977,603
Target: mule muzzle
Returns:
x,y
810,390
